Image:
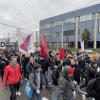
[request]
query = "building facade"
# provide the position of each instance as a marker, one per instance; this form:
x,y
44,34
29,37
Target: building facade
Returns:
x,y
70,26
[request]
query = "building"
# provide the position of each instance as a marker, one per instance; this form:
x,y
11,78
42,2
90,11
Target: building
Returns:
x,y
70,26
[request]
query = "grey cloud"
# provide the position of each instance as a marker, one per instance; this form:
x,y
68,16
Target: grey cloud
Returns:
x,y
28,13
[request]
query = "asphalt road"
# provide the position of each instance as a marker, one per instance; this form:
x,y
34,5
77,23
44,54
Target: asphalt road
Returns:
x,y
5,94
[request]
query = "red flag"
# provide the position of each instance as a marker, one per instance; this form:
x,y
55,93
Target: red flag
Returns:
x,y
43,52
61,54
43,47
44,42
25,43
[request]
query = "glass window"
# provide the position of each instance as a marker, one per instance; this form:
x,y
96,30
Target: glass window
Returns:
x,y
59,23
98,15
86,18
71,20
71,32
45,26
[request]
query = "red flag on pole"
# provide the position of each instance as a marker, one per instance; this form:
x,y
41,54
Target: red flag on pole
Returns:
x,y
43,52
61,53
25,43
44,42
43,47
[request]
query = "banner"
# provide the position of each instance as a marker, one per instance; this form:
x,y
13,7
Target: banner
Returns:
x,y
25,45
26,42
2,45
82,45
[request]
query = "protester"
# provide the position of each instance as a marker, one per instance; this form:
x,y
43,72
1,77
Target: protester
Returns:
x,y
37,82
3,63
76,75
55,77
65,91
61,78
30,66
93,87
89,72
12,76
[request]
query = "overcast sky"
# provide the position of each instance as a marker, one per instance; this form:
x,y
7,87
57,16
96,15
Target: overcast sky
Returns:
x,y
27,13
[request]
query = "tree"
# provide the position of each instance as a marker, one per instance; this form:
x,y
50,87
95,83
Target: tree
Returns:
x,y
86,37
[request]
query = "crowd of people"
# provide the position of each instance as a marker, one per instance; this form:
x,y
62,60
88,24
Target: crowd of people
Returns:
x,y
74,72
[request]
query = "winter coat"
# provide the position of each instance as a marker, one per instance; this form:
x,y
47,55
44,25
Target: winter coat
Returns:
x,y
97,87
65,89
82,66
55,76
30,67
66,61
43,65
32,80
94,86
12,75
3,64
89,74
77,73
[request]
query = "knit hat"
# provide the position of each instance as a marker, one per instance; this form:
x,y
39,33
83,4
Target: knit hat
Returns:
x,y
68,70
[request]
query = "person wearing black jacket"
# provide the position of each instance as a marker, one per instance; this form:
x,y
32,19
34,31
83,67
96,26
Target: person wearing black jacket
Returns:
x,y
55,77
76,75
25,61
93,87
44,65
3,63
90,72
81,63
30,66
97,87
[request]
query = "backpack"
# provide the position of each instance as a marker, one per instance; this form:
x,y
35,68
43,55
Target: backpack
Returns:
x,y
90,88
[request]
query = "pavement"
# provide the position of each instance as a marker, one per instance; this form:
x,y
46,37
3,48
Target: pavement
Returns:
x,y
5,94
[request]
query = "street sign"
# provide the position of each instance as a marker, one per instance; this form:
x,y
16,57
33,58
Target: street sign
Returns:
x,y
2,45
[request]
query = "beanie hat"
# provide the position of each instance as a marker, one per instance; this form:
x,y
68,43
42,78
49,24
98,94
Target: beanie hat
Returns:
x,y
68,70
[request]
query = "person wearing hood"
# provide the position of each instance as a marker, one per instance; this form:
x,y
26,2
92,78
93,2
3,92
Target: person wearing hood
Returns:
x,y
12,75
65,90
